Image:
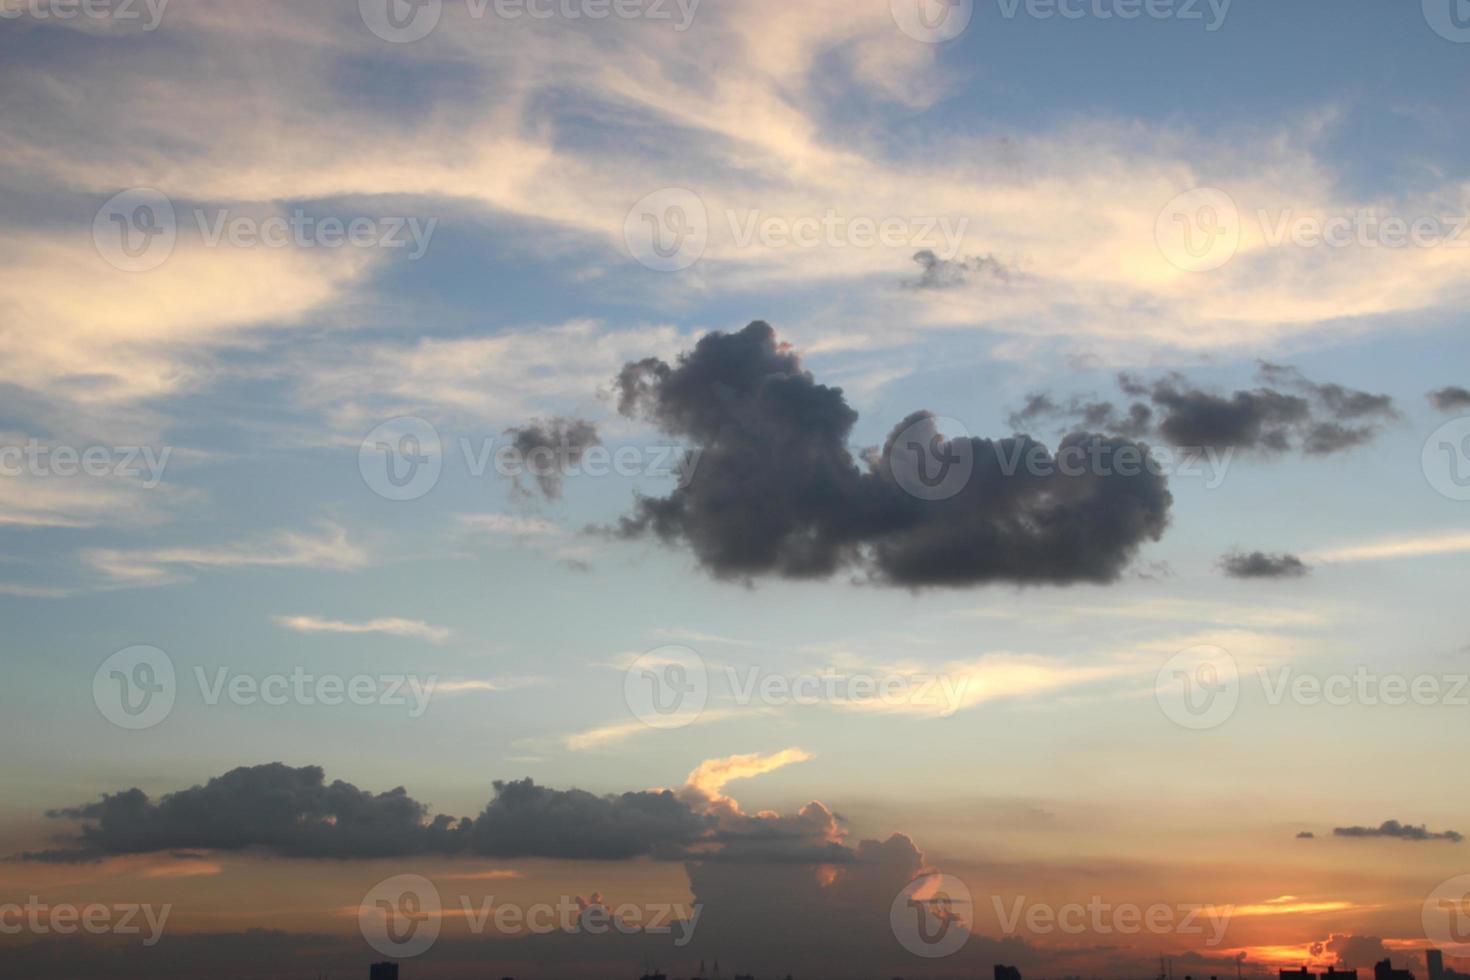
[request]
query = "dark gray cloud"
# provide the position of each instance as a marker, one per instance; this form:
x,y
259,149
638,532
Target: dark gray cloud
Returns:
x,y
1352,952
1392,828
546,448
1306,835
938,273
779,492
1259,564
1287,411
1451,399
296,813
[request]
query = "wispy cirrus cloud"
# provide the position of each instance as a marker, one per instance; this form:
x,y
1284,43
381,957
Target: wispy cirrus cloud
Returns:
x,y
390,626
328,548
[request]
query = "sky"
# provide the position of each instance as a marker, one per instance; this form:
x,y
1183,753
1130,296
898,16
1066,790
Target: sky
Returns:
x,y
855,489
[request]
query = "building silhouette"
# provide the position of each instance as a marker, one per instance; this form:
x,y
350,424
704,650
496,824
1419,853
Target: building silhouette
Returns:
x,y
1434,966
1384,971
383,971
1003,972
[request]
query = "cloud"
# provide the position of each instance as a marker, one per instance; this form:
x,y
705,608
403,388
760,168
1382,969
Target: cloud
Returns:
x,y
1412,546
327,549
412,628
1451,399
1392,828
1351,952
1259,564
777,491
938,273
1286,412
1306,835
548,447
294,812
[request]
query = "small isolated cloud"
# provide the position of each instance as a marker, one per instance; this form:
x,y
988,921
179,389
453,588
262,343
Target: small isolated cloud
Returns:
x,y
1451,399
1306,835
1399,831
328,548
547,449
711,776
938,273
392,626
1414,546
1259,564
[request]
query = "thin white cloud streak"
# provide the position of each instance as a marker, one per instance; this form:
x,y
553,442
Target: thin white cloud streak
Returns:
x,y
328,549
389,626
1403,547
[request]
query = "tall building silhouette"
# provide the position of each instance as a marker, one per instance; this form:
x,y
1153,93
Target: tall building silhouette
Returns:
x,y
383,971
1384,971
1003,972
1434,964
